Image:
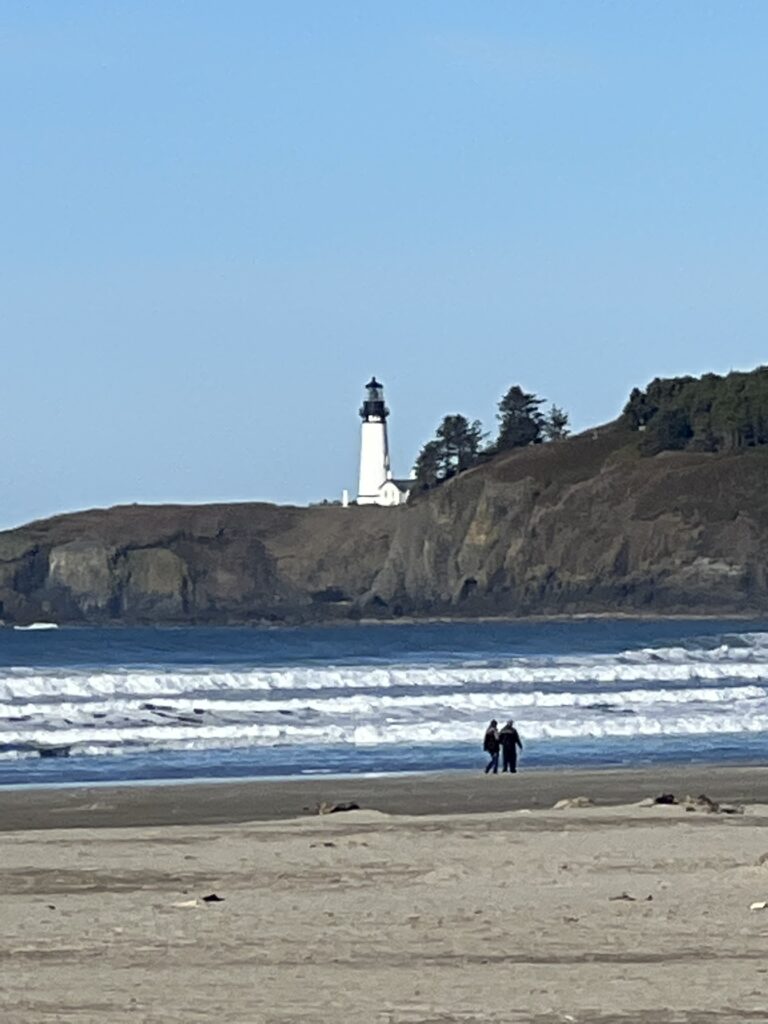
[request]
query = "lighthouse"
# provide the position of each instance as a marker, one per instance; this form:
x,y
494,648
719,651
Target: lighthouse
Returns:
x,y
376,485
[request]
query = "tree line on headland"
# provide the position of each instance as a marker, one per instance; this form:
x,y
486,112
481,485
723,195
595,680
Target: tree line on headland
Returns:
x,y
711,413
459,444
705,414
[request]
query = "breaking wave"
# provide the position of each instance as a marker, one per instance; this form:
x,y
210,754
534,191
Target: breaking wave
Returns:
x,y
708,689
21,684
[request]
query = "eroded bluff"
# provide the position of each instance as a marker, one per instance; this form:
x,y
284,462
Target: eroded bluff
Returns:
x,y
581,526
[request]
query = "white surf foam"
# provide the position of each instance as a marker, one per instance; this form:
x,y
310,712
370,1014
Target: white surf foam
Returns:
x,y
23,685
374,704
670,691
364,734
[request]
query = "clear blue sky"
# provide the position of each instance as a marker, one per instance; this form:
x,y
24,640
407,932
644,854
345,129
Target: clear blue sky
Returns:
x,y
218,219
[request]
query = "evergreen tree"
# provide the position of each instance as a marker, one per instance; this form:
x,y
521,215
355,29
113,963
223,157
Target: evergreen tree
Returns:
x,y
707,414
555,426
460,441
670,431
520,420
428,465
455,447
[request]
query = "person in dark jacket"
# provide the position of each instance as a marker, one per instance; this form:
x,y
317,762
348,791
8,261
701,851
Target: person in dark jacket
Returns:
x,y
510,740
491,746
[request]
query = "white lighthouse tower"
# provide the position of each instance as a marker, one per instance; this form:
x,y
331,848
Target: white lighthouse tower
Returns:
x,y
376,486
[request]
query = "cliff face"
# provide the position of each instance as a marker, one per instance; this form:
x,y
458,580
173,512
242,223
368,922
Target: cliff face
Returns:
x,y
584,525
588,526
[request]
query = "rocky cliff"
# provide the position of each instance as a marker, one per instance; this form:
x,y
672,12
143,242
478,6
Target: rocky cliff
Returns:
x,y
578,526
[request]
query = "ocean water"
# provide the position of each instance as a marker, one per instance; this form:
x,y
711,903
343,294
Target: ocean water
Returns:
x,y
150,704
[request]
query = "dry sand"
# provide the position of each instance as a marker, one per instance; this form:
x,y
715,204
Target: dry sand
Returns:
x,y
500,915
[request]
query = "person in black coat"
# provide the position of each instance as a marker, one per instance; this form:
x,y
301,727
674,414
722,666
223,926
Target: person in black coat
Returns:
x,y
491,746
510,741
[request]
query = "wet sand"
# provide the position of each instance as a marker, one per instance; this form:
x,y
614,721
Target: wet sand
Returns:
x,y
446,793
425,915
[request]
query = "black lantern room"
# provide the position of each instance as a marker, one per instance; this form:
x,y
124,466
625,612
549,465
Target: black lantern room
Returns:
x,y
373,408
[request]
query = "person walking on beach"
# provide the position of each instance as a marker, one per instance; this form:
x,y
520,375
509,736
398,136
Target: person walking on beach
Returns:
x,y
510,740
491,746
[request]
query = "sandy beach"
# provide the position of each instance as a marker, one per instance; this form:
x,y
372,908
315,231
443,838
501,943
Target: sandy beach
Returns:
x,y
444,899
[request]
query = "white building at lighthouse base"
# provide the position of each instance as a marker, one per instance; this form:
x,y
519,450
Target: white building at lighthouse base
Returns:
x,y
391,492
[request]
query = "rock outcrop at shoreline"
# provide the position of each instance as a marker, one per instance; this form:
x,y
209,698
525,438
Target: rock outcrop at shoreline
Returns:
x,y
580,526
